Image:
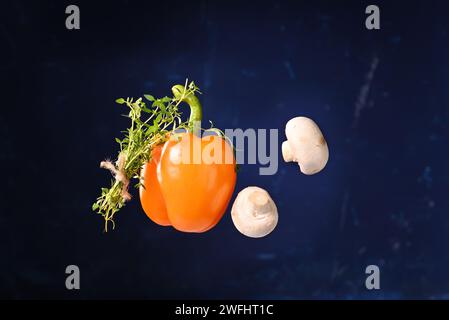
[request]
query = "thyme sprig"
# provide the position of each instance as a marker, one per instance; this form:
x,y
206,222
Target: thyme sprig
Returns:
x,y
151,124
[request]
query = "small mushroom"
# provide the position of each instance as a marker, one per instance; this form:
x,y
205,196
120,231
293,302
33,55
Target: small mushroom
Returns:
x,y
305,145
254,213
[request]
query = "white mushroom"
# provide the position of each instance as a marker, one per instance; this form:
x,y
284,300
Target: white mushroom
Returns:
x,y
305,145
254,213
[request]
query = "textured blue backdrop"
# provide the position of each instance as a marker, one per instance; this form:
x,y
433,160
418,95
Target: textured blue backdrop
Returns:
x,y
380,98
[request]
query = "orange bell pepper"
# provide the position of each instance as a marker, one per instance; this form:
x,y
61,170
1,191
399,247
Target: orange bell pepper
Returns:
x,y
190,196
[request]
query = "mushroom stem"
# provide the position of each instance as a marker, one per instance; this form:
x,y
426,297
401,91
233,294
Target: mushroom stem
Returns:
x,y
259,203
287,153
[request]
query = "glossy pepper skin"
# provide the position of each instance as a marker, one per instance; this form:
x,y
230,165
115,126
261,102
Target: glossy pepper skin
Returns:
x,y
150,193
191,196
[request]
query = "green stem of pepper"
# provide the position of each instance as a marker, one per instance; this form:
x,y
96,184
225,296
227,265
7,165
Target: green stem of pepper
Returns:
x,y
196,111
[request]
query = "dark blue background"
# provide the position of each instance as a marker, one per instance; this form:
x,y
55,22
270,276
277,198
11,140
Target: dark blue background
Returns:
x,y
382,198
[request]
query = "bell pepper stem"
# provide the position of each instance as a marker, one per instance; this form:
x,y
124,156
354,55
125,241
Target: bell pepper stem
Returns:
x,y
196,111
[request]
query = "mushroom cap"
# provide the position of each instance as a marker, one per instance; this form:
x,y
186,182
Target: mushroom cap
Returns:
x,y
254,212
306,145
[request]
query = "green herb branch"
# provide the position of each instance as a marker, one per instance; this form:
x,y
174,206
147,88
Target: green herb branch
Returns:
x,y
150,126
